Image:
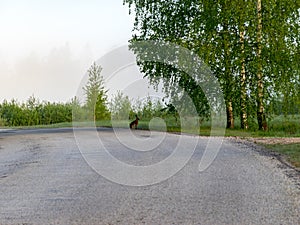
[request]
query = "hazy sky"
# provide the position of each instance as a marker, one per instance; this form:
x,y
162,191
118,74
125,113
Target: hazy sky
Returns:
x,y
46,46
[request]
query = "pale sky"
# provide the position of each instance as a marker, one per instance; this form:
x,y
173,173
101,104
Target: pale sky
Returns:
x,y
46,46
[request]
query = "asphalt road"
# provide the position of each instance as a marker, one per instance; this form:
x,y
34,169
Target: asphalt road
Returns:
x,y
44,179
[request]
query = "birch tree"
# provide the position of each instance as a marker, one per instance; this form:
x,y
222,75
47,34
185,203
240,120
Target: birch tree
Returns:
x,y
251,46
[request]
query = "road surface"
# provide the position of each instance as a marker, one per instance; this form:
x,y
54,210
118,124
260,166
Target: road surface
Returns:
x,y
44,179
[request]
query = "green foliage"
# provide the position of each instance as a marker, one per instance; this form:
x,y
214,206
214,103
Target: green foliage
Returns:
x,y
101,109
34,112
2,122
78,112
96,98
148,108
287,124
120,107
212,29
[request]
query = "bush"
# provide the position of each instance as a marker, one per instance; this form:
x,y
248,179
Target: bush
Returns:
x,y
34,113
288,127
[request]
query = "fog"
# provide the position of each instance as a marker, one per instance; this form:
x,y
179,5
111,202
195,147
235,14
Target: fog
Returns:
x,y
46,47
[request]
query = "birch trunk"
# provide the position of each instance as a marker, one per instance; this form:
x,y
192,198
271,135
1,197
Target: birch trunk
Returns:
x,y
244,119
228,77
261,118
229,112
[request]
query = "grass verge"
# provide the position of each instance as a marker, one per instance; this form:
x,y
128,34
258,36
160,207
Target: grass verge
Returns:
x,y
290,152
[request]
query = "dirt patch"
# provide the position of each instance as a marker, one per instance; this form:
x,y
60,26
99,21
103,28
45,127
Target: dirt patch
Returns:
x,y
271,141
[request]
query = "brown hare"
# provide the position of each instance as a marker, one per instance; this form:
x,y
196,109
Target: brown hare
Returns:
x,y
134,123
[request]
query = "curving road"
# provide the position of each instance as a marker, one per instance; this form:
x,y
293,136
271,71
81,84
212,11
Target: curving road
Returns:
x,y
44,179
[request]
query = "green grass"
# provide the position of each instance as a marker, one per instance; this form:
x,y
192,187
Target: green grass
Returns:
x,y
104,123
56,125
279,126
291,152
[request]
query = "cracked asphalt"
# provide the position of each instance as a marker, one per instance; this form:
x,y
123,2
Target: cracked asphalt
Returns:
x,y
45,180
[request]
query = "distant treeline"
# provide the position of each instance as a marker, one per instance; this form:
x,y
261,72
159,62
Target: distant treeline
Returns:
x,y
120,107
33,112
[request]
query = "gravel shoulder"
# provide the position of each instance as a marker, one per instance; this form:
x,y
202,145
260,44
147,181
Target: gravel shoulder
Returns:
x,y
279,160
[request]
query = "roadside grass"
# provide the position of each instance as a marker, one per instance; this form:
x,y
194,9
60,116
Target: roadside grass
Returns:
x,y
104,123
291,152
55,125
279,126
